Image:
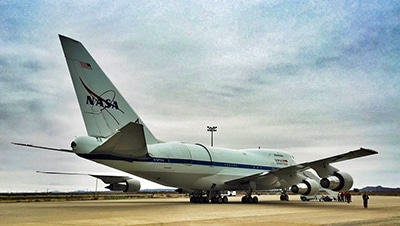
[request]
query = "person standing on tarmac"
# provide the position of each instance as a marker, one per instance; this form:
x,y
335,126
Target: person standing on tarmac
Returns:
x,y
348,197
365,198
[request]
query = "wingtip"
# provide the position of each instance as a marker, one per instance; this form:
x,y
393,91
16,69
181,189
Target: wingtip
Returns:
x,y
372,152
21,144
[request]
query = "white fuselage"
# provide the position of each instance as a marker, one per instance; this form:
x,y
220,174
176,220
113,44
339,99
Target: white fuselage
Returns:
x,y
197,167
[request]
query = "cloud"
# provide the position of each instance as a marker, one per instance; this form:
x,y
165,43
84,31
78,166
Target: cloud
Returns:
x,y
315,79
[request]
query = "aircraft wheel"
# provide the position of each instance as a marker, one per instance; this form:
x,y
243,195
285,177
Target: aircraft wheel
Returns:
x,y
284,198
219,199
255,199
245,199
225,199
196,199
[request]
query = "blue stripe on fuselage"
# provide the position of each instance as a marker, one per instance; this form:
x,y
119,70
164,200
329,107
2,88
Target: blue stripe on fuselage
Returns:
x,y
175,161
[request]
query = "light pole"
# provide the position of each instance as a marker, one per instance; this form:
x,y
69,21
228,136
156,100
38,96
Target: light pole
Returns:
x,y
212,129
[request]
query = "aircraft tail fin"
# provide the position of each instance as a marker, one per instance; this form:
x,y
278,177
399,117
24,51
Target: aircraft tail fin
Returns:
x,y
103,108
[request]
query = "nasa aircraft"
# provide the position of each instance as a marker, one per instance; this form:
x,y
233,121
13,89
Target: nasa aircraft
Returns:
x,y
117,137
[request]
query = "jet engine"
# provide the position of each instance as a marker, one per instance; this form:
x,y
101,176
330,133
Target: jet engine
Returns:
x,y
307,187
130,185
339,181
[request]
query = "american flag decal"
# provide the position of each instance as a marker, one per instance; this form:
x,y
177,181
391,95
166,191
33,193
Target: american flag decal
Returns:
x,y
85,65
281,161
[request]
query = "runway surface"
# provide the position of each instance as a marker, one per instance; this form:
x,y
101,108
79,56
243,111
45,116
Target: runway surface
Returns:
x,y
383,210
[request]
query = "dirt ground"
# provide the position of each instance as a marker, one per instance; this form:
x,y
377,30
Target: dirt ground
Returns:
x,y
383,210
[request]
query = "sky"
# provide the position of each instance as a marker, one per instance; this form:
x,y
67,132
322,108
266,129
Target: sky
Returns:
x,y
313,78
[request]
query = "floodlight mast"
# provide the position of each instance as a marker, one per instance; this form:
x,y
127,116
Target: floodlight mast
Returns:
x,y
212,129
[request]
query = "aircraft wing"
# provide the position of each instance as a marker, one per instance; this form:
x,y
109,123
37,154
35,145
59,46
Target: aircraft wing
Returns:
x,y
342,157
115,183
321,165
273,176
107,179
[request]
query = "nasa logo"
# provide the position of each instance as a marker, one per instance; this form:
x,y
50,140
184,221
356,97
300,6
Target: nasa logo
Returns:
x,y
104,101
100,102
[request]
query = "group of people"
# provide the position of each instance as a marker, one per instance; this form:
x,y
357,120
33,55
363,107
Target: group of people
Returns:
x,y
344,197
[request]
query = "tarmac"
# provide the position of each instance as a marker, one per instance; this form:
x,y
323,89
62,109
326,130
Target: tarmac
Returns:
x,y
383,210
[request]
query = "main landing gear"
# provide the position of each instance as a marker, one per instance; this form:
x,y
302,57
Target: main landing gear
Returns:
x,y
251,186
216,197
219,199
249,199
204,197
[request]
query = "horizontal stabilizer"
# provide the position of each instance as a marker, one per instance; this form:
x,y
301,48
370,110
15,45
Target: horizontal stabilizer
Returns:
x,y
128,142
43,147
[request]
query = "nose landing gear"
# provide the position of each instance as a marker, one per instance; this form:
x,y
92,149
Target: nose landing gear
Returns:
x,y
284,196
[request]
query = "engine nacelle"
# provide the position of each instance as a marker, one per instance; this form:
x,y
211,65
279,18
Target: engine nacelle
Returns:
x,y
307,187
130,185
339,181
